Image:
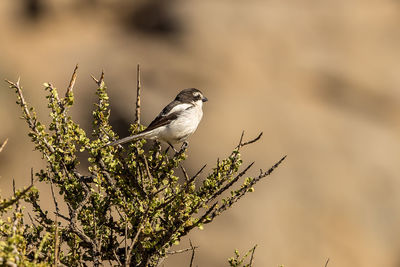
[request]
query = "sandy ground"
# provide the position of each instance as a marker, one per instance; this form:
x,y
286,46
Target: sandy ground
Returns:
x,y
319,78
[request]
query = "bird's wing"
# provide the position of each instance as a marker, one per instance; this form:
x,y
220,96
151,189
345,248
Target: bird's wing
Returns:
x,y
168,114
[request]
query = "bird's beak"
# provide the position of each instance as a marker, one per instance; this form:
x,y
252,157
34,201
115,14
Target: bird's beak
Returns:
x,y
204,99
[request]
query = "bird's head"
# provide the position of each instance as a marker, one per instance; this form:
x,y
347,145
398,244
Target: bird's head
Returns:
x,y
191,95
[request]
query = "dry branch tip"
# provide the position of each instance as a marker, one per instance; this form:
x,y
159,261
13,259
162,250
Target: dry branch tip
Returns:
x,y
3,145
72,81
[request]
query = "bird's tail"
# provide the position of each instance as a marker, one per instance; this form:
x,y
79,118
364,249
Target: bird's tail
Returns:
x,y
127,139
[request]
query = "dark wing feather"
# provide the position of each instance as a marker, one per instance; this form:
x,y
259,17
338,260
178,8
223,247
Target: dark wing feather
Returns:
x,y
161,121
168,108
162,118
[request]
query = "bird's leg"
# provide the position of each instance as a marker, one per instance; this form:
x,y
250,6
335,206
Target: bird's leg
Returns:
x,y
182,150
172,147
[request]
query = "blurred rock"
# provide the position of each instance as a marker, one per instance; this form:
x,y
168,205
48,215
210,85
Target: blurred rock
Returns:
x,y
153,17
34,10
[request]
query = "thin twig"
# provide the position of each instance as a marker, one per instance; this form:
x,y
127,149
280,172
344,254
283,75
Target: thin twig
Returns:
x,y
53,195
31,122
150,177
243,190
32,221
134,240
233,181
56,241
184,172
241,139
241,144
326,263
31,176
63,216
116,257
99,82
198,173
126,242
15,199
180,251
72,82
193,251
252,256
138,88
3,145
252,141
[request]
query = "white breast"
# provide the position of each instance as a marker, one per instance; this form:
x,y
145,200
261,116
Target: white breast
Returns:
x,y
185,125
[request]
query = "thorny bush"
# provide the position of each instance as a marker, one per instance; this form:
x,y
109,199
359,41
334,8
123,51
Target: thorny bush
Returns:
x,y
128,208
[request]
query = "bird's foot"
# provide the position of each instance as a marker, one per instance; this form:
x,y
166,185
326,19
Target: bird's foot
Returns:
x,y
184,145
171,146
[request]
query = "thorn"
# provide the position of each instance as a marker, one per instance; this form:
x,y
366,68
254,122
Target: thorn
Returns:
x,y
31,176
3,145
94,79
101,77
72,81
241,138
9,82
100,81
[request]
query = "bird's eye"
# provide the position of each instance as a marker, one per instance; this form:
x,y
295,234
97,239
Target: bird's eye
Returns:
x,y
196,94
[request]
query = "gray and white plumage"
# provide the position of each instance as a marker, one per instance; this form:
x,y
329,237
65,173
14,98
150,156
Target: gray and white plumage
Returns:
x,y
176,122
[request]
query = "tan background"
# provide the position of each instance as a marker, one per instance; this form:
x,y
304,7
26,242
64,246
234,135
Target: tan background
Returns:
x,y
319,78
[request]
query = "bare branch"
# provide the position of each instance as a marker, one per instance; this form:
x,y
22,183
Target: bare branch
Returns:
x,y
241,139
193,251
252,256
72,81
241,144
28,116
271,169
326,263
198,173
138,88
181,250
63,216
14,187
252,141
56,243
184,173
3,145
53,195
146,164
99,82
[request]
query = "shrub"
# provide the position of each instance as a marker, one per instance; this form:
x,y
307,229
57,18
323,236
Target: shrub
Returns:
x,y
129,207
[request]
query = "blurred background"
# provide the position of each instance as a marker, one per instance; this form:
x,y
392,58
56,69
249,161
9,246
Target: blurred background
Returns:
x,y
319,78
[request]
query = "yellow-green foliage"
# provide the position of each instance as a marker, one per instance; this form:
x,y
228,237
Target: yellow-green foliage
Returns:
x,y
128,207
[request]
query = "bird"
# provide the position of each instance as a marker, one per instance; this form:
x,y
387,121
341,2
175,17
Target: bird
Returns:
x,y
176,122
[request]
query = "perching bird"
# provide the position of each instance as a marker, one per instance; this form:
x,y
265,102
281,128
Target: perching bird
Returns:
x,y
176,122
